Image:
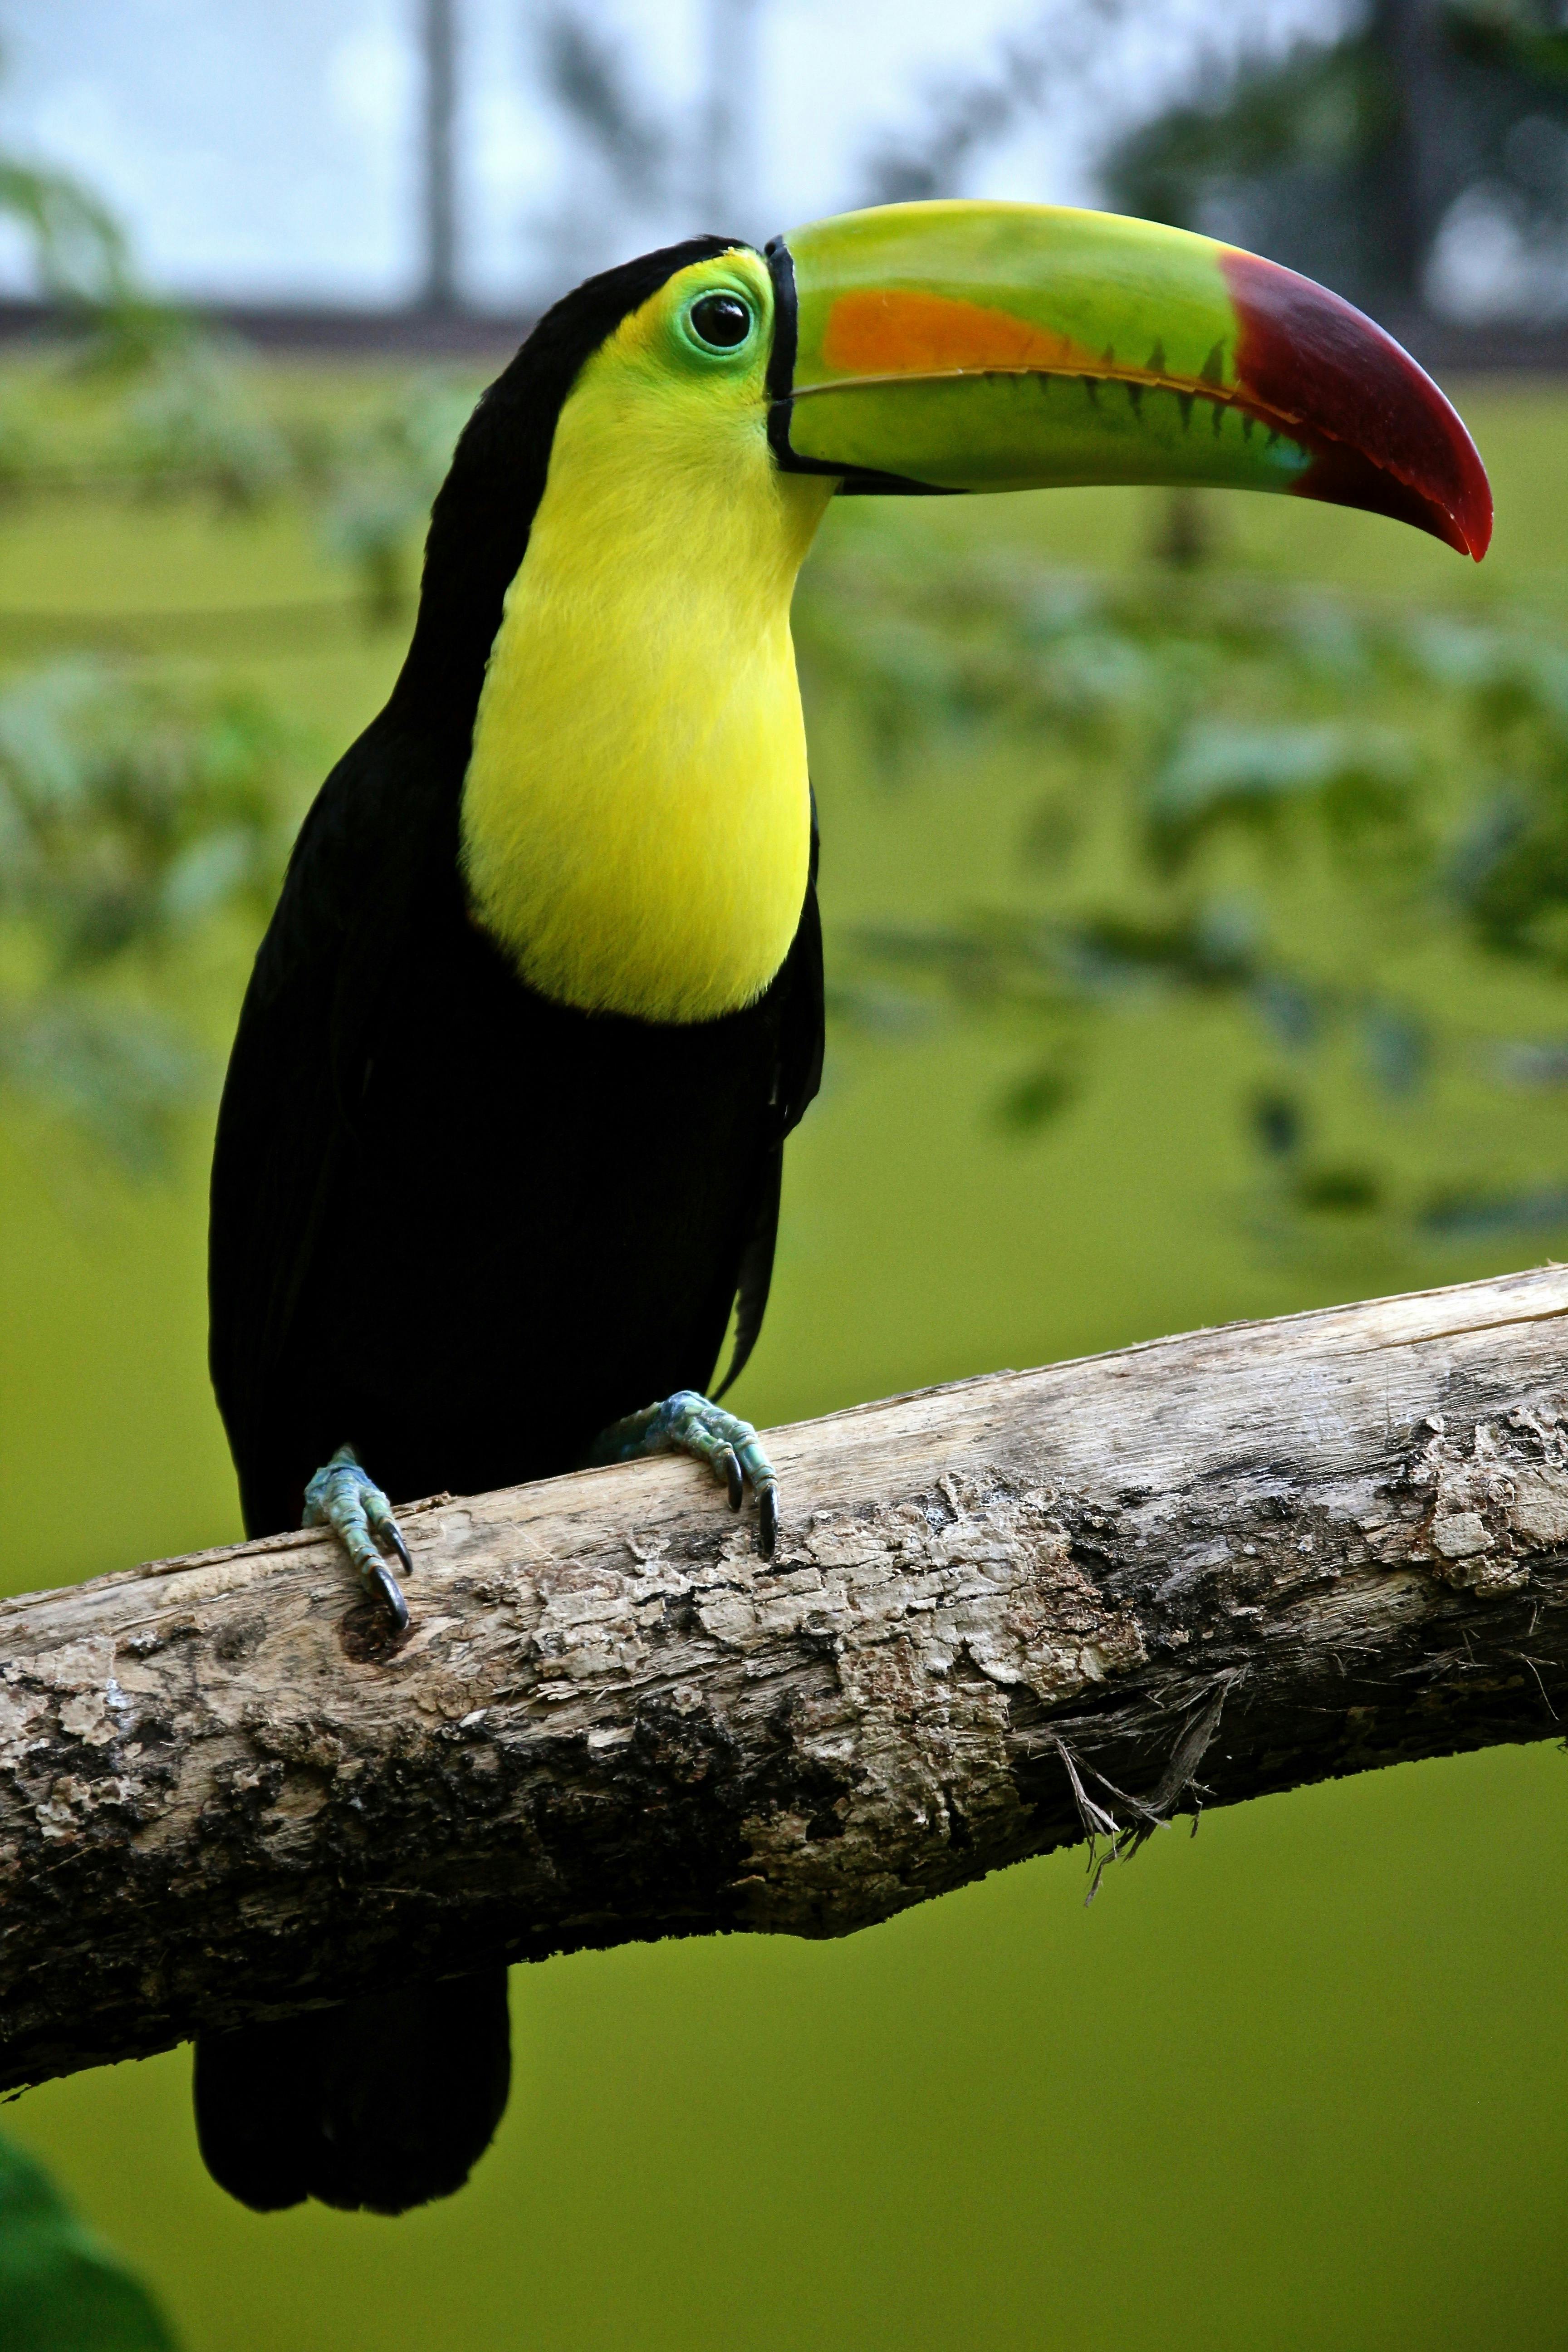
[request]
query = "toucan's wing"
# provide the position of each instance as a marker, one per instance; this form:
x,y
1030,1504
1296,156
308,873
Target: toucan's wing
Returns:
x,y
798,1074
322,979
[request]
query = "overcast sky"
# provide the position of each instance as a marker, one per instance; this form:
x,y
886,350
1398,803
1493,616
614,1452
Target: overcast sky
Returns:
x,y
266,149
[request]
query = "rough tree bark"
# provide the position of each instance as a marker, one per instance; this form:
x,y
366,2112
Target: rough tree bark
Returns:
x,y
1002,1614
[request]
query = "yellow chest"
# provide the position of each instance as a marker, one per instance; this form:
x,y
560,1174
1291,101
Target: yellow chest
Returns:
x,y
636,815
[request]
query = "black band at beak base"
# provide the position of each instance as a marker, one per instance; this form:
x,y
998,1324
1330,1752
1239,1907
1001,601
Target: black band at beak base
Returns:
x,y
854,481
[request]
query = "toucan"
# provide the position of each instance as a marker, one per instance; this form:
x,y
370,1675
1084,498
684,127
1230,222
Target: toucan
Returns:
x,y
499,1154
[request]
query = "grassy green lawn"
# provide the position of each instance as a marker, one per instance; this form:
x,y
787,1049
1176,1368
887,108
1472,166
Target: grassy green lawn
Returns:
x,y
1297,2085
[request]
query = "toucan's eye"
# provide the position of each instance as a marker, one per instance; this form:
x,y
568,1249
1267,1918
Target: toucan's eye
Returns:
x,y
720,320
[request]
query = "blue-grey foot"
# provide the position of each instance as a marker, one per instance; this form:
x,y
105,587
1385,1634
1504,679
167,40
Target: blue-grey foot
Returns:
x,y
688,1424
346,1499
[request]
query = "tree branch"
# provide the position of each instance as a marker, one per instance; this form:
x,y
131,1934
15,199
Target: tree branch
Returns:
x,y
1003,1614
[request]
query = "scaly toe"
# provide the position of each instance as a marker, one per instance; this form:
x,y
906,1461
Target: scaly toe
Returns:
x,y
346,1499
383,1527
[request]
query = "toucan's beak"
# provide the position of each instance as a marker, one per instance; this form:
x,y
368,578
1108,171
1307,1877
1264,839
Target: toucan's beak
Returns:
x,y
1007,347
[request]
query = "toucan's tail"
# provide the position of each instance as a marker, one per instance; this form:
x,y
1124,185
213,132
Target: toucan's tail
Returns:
x,y
377,2105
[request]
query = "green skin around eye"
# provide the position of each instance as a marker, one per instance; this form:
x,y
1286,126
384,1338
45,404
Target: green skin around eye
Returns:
x,y
713,347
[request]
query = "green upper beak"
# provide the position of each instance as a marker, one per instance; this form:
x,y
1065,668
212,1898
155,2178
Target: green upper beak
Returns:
x,y
1007,347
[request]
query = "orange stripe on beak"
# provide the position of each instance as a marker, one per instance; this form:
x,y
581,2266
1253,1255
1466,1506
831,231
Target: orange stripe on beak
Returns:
x,y
907,334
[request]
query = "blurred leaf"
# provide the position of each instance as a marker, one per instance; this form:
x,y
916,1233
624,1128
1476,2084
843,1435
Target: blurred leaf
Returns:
x,y
378,483
80,248
131,814
193,422
1340,1190
1221,770
1467,1215
61,2290
118,1076
1033,1102
1398,1047
1535,1062
1277,1123
1293,1012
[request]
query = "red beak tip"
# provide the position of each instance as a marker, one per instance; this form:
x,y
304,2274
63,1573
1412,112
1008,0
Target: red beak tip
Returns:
x,y
1370,410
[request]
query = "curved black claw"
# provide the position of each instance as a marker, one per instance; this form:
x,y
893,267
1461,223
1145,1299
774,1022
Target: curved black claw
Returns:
x,y
688,1424
386,1584
393,1535
346,1499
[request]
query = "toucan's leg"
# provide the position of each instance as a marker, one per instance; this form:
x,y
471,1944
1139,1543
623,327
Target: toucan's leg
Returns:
x,y
347,1498
687,1423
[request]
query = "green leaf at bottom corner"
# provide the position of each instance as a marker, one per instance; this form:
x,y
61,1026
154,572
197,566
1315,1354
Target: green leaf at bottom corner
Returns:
x,y
62,2289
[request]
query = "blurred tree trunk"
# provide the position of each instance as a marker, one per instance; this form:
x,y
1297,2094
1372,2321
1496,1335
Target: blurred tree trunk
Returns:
x,y
1407,35
1184,536
1001,1615
730,179
439,41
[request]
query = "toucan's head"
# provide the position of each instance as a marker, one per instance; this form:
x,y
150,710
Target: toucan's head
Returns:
x,y
1001,347
604,621
945,347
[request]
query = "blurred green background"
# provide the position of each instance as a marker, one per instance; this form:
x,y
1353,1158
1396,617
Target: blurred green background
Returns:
x,y
1296,2084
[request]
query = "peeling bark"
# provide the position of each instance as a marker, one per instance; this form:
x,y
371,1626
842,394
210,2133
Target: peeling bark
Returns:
x,y
1001,1615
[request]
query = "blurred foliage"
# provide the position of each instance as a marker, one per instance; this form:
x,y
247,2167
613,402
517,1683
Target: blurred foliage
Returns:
x,y
61,2290
190,424
188,416
78,248
373,485
133,814
1288,802
1290,157
1345,157
82,264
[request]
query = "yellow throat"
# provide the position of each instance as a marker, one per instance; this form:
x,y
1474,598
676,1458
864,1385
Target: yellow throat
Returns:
x,y
636,816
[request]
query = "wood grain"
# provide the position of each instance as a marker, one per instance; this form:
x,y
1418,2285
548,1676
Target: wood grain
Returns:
x,y
1002,1613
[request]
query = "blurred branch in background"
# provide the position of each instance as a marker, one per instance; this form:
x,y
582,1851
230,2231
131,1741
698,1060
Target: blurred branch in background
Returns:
x,y
586,74
629,150
966,115
1419,158
649,171
727,198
